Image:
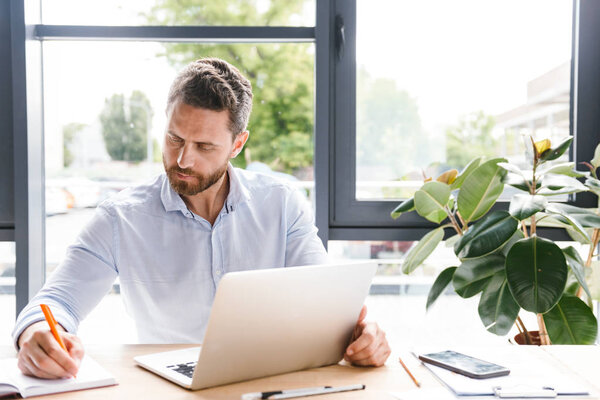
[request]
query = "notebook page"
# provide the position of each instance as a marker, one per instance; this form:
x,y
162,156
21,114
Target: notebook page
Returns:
x,y
90,374
6,385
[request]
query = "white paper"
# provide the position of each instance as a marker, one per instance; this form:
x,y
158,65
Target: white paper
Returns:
x,y
528,373
90,374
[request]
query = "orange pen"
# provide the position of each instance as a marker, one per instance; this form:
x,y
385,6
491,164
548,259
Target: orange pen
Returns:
x,y
52,323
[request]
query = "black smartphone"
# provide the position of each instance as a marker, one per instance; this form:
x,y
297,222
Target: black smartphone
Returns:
x,y
464,364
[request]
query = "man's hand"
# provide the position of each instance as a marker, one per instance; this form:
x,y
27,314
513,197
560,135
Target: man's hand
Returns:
x,y
40,354
369,346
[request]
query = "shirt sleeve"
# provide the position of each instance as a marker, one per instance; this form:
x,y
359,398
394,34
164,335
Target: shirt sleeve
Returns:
x,y
81,280
303,245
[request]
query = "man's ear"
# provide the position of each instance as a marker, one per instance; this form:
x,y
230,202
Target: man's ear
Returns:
x,y
238,143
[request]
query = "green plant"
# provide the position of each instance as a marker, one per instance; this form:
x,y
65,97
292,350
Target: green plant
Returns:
x,y
501,255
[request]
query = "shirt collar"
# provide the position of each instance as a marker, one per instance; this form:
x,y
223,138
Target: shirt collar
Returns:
x,y
238,193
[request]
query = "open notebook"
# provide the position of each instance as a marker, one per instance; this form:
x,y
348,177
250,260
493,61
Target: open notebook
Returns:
x,y
90,375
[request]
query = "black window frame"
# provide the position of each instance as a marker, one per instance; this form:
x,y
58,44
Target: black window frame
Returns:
x,y
351,219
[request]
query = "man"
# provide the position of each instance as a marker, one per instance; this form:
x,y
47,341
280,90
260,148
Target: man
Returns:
x,y
170,241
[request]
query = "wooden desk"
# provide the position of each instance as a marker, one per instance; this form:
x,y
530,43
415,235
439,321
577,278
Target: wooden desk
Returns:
x,y
139,384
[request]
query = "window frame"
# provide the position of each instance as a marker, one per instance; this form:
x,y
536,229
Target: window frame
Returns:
x,y
351,219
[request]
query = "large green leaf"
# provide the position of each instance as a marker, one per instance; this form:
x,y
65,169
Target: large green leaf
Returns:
x,y
440,284
525,205
565,217
585,217
566,168
480,190
578,237
470,167
486,235
472,275
572,284
553,184
596,160
593,185
515,169
518,235
555,152
571,321
406,206
431,200
497,309
518,182
536,271
422,250
576,264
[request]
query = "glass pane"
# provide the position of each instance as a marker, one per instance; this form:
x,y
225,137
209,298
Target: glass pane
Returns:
x,y
438,88
165,12
7,291
85,164
397,301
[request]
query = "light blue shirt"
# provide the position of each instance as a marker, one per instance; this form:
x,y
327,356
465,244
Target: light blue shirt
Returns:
x,y
169,260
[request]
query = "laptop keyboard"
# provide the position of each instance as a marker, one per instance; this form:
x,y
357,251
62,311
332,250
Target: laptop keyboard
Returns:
x,y
186,369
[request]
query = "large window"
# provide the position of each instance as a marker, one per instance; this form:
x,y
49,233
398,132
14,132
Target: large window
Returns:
x,y
425,86
470,79
104,100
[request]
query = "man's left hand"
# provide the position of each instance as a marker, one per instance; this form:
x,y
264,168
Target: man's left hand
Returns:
x,y
369,347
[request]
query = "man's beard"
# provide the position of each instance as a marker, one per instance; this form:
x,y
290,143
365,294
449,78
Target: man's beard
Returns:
x,y
192,188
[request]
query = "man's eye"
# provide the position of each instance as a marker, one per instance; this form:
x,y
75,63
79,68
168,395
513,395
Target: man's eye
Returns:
x,y
175,139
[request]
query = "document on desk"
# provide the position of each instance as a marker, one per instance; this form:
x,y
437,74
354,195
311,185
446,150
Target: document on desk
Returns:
x,y
90,375
531,376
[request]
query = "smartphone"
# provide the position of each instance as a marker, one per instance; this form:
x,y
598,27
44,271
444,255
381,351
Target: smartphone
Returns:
x,y
464,364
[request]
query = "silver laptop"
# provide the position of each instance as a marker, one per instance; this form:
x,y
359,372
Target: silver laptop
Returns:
x,y
271,321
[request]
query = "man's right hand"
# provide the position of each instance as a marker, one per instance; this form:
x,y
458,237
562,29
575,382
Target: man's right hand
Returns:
x,y
40,354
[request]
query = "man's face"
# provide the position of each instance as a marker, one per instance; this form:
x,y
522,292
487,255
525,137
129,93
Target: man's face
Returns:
x,y
198,146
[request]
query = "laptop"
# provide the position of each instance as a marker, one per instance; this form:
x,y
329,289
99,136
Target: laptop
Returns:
x,y
271,321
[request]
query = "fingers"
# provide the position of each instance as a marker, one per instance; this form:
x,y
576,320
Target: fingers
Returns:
x,y
365,334
377,359
31,368
371,347
363,314
42,356
74,346
359,324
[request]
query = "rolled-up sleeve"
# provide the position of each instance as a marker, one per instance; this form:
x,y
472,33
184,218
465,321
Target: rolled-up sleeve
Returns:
x,y
303,245
82,278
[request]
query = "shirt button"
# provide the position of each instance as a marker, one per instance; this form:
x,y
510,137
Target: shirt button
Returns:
x,y
218,273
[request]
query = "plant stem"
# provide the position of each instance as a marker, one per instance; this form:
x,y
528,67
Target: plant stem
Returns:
x,y
524,229
462,221
455,224
544,338
533,190
525,331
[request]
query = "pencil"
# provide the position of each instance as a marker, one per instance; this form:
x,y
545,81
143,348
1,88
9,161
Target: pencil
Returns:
x,y
409,373
52,323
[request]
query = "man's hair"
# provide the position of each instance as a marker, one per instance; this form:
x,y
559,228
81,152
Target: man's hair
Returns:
x,y
216,85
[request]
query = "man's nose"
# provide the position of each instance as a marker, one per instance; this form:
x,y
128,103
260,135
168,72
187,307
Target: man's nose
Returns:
x,y
185,159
